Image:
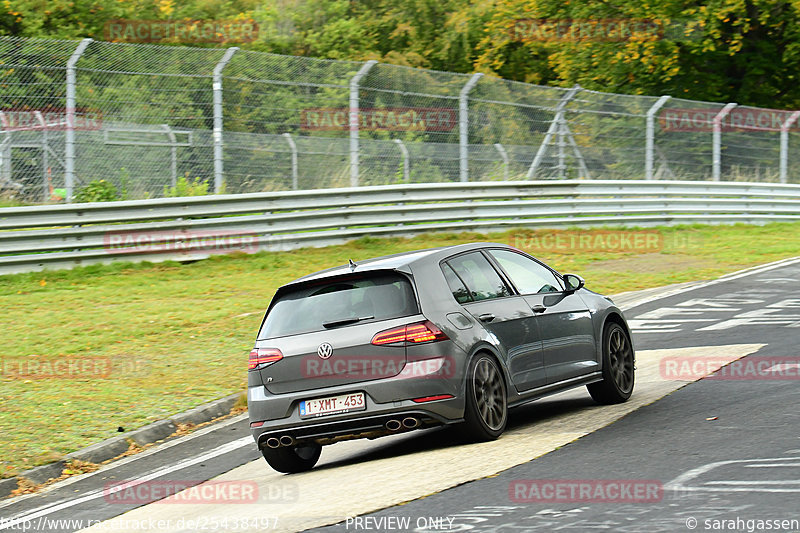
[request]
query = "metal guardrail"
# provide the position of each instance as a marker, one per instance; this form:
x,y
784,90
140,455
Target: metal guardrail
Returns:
x,y
63,236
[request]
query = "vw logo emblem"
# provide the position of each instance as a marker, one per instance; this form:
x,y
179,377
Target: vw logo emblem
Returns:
x,y
325,350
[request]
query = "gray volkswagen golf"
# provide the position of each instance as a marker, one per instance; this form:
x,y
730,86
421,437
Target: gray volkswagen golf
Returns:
x,y
446,336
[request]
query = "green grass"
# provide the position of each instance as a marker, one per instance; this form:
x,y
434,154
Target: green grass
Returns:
x,y
178,335
10,202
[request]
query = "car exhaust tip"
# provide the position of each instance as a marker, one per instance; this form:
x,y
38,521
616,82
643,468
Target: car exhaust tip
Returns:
x,y
410,422
286,440
273,442
393,425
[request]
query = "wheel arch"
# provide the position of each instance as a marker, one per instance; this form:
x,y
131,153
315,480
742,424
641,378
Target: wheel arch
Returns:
x,y
488,349
615,317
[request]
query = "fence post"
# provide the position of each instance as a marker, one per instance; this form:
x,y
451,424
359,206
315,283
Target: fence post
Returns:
x,y
785,145
354,111
69,132
45,156
5,149
404,152
554,125
173,153
716,158
293,148
650,131
504,155
463,126
216,85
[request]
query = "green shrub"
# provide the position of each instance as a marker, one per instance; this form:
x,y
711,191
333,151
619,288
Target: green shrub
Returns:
x,y
97,191
187,187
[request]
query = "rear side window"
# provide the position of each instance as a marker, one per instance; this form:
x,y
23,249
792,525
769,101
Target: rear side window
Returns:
x,y
340,301
480,277
460,292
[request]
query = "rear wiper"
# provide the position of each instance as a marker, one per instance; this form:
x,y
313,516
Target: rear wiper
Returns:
x,y
345,321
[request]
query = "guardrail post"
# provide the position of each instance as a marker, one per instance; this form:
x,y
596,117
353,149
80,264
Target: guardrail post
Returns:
x,y
463,127
69,132
504,155
293,148
784,158
716,159
354,112
555,125
650,132
216,85
404,152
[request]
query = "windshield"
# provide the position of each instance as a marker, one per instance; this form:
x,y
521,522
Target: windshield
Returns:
x,y
338,302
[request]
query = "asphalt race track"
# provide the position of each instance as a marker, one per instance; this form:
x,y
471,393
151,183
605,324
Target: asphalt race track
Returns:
x,y
684,454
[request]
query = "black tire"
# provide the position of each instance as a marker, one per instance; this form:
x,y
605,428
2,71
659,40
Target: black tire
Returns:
x,y
486,411
618,369
292,459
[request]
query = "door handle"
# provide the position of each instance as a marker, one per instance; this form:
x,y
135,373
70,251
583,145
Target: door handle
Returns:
x,y
538,308
486,317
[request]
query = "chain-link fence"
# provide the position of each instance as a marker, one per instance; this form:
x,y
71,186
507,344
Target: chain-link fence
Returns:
x,y
144,118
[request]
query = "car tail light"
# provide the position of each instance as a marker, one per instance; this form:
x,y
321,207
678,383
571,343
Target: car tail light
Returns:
x,y
411,333
432,398
263,355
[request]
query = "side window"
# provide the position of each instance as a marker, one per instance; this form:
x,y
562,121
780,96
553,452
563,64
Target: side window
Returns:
x,y
529,276
460,293
482,280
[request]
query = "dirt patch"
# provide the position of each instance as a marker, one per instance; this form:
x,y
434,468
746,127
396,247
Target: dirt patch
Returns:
x,y
646,263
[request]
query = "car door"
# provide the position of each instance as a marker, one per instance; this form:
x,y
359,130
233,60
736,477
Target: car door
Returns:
x,y
564,320
478,286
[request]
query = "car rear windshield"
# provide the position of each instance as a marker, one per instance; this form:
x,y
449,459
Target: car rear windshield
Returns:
x,y
340,302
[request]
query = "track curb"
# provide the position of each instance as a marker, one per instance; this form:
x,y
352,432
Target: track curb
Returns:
x,y
117,445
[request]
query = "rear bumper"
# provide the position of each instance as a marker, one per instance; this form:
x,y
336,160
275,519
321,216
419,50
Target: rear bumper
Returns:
x,y
386,399
370,427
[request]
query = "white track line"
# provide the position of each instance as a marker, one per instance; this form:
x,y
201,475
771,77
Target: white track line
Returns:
x,y
98,493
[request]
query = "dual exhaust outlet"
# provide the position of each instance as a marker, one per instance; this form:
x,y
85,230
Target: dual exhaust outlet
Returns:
x,y
408,423
276,442
392,425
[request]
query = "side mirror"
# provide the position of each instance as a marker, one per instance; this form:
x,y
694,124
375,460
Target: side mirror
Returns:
x,y
573,282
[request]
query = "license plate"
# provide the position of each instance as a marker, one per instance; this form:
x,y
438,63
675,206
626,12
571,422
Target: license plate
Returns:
x,y
333,405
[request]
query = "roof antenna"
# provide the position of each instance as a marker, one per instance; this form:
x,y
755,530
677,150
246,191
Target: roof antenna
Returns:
x,y
352,265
